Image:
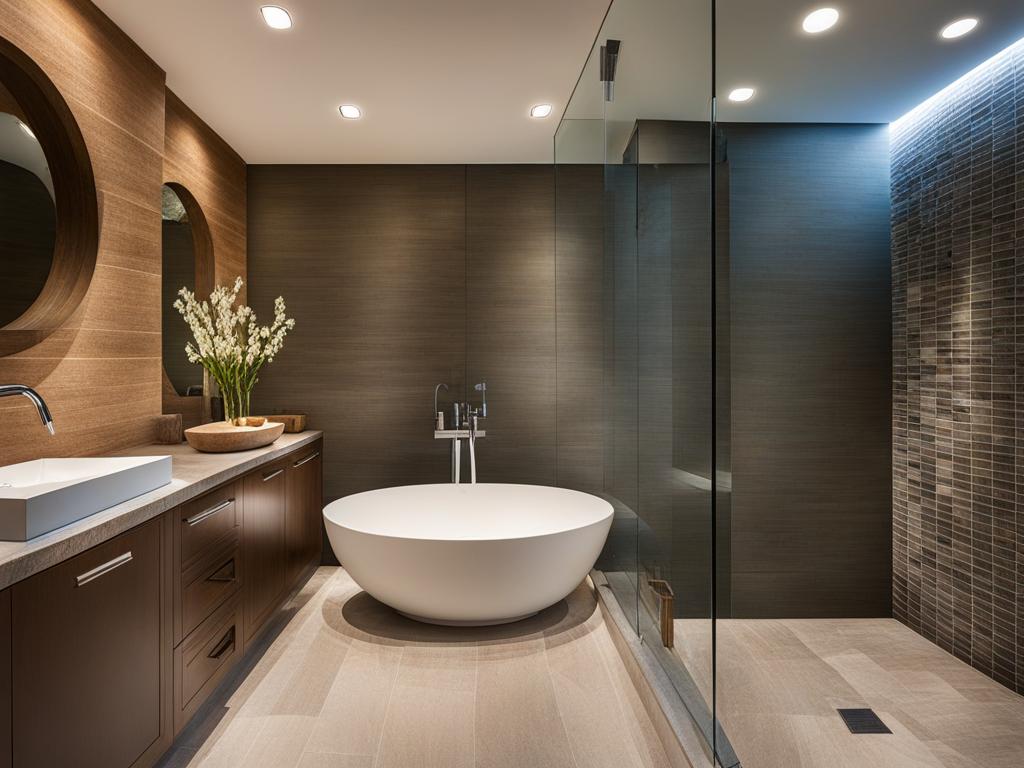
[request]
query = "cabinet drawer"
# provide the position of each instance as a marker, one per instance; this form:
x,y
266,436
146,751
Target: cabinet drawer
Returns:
x,y
206,586
206,521
204,657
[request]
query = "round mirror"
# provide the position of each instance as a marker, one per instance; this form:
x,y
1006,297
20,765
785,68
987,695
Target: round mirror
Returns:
x,y
28,215
49,216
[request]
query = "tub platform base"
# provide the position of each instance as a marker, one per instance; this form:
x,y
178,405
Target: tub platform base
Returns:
x,y
447,623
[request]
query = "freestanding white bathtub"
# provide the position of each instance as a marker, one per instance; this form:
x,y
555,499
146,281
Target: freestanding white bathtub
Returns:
x,y
468,554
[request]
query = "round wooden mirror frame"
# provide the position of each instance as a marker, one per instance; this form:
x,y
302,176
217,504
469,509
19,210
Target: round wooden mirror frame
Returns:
x,y
77,240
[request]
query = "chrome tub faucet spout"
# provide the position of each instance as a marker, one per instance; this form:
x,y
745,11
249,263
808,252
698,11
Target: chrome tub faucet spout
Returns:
x,y
9,390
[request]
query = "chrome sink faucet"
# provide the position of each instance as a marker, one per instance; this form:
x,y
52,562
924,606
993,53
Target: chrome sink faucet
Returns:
x,y
9,390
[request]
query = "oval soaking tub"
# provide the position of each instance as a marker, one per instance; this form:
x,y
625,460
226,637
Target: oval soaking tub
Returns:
x,y
468,554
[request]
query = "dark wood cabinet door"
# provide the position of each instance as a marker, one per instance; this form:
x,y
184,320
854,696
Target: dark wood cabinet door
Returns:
x,y
302,525
86,656
264,506
5,679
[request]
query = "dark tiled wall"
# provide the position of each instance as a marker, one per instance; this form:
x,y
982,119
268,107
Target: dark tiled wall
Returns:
x,y
958,369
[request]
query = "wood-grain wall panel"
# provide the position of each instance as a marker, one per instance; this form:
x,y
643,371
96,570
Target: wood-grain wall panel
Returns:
x,y
115,92
91,61
129,235
100,372
202,162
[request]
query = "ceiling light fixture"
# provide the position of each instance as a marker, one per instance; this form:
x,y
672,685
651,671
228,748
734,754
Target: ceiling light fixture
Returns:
x,y
26,130
350,111
276,17
820,20
741,94
540,111
959,28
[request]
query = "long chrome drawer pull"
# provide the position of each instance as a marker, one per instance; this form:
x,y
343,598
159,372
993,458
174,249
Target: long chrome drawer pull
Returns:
x,y
311,456
103,570
272,475
200,516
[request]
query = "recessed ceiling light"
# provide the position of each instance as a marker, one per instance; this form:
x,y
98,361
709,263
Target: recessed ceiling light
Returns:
x,y
540,110
26,130
820,20
959,28
741,94
276,17
350,111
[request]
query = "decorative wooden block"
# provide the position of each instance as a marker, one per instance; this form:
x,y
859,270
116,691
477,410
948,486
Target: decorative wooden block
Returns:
x,y
292,422
169,429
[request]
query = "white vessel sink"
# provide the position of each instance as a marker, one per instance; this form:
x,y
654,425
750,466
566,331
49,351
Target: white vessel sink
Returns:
x,y
39,496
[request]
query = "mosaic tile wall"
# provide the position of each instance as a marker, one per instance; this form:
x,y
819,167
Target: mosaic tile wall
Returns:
x,y
958,368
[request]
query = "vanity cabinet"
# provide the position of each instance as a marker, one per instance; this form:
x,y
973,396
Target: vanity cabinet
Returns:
x,y
303,522
5,679
87,655
266,560
107,655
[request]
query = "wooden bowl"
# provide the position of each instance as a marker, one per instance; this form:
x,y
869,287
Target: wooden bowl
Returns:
x,y
222,437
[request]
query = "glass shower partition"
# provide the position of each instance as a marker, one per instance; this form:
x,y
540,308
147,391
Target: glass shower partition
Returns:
x,y
634,209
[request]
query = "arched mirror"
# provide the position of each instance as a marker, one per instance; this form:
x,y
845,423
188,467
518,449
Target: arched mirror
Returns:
x,y
187,262
49,217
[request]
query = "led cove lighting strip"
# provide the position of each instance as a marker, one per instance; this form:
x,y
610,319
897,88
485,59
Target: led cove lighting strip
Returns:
x,y
925,105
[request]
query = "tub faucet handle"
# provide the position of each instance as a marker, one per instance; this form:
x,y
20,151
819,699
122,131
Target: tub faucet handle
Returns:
x,y
482,389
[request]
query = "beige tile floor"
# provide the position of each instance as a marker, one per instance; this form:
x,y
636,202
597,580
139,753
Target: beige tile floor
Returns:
x,y
348,683
780,682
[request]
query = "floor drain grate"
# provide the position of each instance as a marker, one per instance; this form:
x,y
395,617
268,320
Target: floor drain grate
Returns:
x,y
863,721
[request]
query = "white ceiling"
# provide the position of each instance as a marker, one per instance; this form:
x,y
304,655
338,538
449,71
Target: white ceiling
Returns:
x,y
451,81
882,59
439,81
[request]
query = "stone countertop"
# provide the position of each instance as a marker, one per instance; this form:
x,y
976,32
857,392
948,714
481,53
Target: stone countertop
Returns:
x,y
192,474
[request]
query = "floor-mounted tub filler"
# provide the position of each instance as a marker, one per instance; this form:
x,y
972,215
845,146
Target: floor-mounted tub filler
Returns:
x,y
468,554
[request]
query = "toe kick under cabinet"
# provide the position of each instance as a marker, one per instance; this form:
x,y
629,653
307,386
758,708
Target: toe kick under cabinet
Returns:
x,y
106,656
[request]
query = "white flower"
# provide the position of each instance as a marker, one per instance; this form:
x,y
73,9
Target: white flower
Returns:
x,y
228,341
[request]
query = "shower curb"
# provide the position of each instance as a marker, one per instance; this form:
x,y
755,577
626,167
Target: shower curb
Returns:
x,y
676,731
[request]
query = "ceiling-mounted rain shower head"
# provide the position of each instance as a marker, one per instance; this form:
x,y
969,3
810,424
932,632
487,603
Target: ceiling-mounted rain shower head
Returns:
x,y
609,60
